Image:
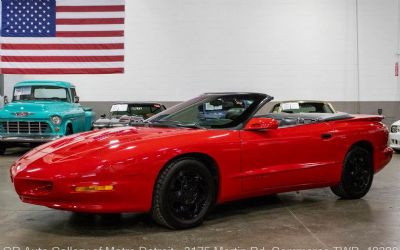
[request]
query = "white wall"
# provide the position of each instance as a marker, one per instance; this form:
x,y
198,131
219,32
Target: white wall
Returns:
x,y
290,49
379,34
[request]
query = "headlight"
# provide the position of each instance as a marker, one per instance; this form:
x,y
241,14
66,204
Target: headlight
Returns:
x,y
395,129
56,120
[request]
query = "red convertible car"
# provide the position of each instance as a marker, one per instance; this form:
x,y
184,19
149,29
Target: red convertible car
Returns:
x,y
214,148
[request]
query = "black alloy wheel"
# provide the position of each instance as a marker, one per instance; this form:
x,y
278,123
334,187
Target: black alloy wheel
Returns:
x,y
357,174
183,194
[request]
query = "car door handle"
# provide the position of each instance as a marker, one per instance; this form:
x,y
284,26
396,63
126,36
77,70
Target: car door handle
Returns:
x,y
326,136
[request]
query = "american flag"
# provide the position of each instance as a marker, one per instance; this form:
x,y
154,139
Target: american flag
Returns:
x,y
62,37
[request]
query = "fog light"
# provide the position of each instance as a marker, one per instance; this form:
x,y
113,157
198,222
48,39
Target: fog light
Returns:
x,y
94,188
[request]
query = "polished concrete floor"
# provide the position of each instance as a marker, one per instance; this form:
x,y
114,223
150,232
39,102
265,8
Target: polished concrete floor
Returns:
x,y
313,219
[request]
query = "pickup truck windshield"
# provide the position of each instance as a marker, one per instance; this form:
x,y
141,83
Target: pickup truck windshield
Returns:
x,y
40,93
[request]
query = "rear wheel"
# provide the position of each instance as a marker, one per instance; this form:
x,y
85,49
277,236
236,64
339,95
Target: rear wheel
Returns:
x,y
183,194
2,149
357,175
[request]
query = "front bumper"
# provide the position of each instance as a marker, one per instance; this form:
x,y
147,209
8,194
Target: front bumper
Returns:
x,y
126,195
27,139
394,140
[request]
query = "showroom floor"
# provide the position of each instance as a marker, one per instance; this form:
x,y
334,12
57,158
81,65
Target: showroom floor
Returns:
x,y
308,219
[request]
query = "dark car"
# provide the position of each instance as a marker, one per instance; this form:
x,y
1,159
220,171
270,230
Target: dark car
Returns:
x,y
303,107
124,114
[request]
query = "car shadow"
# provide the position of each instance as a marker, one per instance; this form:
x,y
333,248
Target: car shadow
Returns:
x,y
74,224
16,151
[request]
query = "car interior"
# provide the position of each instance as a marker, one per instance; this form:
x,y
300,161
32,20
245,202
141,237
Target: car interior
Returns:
x,y
285,119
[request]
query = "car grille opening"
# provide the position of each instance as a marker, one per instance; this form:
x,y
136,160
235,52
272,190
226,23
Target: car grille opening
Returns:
x,y
32,188
25,127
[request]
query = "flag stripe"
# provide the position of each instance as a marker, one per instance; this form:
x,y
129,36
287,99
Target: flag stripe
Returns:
x,y
62,58
104,46
90,33
109,8
113,52
62,40
59,65
44,71
85,15
105,27
89,2
90,21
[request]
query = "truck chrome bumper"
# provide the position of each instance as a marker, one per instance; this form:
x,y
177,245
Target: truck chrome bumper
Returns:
x,y
23,139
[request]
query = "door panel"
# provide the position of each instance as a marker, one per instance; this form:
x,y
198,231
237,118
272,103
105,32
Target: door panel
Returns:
x,y
288,156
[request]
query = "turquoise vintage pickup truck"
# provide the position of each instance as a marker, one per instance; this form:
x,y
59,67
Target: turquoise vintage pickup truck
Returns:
x,y
42,111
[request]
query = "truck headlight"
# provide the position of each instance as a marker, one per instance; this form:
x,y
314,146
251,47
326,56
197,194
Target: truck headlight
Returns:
x,y
56,120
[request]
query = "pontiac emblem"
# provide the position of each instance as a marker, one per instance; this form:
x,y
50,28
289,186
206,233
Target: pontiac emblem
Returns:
x,y
22,114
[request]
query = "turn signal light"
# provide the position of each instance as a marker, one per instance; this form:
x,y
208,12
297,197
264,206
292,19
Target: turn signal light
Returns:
x,y
94,188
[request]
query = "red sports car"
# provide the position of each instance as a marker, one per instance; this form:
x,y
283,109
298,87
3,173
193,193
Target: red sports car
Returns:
x,y
214,148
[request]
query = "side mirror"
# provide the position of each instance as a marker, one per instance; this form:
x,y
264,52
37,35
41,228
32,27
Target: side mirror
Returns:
x,y
76,99
258,124
6,100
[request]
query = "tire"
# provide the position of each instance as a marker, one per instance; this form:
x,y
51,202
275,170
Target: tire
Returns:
x,y
357,175
69,130
183,194
3,149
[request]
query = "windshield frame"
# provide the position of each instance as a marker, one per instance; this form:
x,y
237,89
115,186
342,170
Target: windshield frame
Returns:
x,y
68,97
259,101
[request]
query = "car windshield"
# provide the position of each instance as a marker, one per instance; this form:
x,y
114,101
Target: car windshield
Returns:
x,y
211,111
143,110
302,107
46,93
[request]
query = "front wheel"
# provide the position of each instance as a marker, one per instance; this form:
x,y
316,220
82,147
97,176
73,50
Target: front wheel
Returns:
x,y
183,194
357,175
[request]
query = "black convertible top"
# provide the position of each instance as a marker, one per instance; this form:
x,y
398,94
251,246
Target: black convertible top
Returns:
x,y
286,119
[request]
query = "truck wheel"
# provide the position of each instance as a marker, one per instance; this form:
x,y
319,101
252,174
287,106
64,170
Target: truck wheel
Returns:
x,y
357,175
2,149
183,194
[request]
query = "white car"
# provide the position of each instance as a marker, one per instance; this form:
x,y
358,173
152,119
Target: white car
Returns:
x,y
394,138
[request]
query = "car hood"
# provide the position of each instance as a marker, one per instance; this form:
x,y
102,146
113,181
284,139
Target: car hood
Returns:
x,y
33,108
396,123
108,142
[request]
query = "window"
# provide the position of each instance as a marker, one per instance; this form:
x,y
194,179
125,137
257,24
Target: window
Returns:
x,y
211,111
73,94
44,93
